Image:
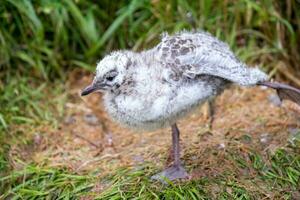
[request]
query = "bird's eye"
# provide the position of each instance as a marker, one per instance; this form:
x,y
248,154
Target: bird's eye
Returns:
x,y
111,75
110,78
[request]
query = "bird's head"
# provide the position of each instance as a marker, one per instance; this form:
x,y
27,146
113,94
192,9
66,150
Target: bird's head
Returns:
x,y
110,73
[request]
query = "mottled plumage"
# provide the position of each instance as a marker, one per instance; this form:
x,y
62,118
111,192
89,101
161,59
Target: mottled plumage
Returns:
x,y
191,54
154,88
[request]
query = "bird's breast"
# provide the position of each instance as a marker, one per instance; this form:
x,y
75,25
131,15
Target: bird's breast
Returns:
x,y
141,109
156,108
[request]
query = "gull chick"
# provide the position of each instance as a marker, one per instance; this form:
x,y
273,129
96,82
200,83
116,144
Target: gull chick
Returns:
x,y
155,88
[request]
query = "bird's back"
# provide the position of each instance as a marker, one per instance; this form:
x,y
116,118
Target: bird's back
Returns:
x,y
193,53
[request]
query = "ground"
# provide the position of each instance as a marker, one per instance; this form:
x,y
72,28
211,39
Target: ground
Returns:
x,y
245,155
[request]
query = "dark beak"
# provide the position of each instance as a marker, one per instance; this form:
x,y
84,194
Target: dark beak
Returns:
x,y
89,89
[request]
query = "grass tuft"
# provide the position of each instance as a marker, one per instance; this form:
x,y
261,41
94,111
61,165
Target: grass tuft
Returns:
x,y
34,182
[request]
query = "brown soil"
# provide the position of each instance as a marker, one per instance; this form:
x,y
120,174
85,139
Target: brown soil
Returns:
x,y
83,145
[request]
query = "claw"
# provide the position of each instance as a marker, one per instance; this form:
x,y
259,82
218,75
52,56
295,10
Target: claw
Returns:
x,y
172,173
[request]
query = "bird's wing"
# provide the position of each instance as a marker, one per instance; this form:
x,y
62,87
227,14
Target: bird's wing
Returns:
x,y
192,54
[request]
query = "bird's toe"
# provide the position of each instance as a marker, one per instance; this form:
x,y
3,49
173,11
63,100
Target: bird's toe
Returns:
x,y
171,173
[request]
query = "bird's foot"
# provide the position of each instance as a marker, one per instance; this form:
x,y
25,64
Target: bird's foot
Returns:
x,y
172,173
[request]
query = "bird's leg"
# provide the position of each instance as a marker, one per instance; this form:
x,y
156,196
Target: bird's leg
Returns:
x,y
211,112
175,145
176,171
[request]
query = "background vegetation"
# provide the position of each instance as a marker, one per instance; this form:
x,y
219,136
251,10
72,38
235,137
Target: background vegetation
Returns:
x,y
43,38
41,41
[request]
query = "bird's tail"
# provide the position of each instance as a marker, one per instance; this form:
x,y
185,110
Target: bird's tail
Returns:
x,y
284,91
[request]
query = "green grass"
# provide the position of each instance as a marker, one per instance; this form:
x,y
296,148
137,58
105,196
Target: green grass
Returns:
x,y
276,177
41,41
25,110
34,182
